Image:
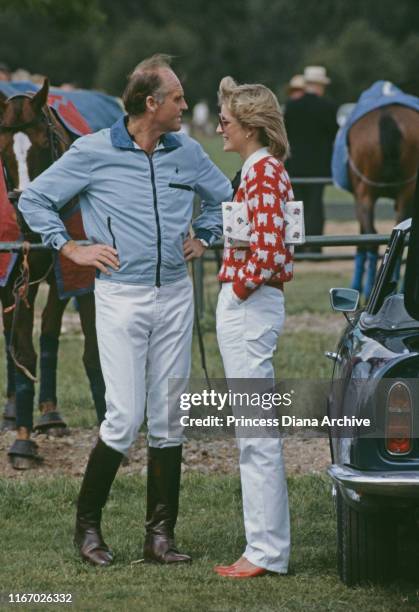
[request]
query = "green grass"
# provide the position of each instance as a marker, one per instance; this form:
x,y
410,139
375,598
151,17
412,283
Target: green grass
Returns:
x,y
37,515
37,519
300,354
229,163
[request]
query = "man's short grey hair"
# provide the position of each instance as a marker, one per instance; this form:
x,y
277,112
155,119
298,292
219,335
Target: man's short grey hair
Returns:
x,y
145,80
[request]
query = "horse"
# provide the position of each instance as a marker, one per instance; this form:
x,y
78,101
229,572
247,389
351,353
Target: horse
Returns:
x,y
383,159
31,138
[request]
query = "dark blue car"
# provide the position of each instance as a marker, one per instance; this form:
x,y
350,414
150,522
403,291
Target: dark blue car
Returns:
x,y
375,472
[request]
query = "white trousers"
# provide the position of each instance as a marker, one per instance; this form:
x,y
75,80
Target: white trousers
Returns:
x,y
144,337
247,334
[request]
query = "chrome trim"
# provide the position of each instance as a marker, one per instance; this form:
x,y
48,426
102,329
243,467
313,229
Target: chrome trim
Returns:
x,y
333,356
404,225
393,484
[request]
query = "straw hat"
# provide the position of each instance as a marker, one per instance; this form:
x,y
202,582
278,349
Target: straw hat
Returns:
x,y
316,74
297,82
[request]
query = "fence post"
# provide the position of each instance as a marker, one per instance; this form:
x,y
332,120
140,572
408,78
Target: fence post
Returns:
x,y
199,285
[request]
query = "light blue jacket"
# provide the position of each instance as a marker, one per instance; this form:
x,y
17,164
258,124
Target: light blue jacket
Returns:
x,y
142,204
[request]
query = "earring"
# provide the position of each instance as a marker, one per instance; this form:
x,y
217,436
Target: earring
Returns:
x,y
247,135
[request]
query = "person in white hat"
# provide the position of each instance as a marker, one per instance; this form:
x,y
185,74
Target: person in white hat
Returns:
x,y
316,79
311,127
296,87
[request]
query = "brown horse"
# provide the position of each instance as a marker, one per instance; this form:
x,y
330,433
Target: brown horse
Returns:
x,y
31,138
383,161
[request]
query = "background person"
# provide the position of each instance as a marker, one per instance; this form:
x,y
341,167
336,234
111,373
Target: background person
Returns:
x,y
311,127
296,87
5,73
201,124
136,183
250,311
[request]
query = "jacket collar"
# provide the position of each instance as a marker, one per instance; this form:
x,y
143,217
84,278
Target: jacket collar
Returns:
x,y
121,139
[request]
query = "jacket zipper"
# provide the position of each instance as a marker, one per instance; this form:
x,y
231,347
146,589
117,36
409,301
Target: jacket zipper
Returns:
x,y
111,232
156,214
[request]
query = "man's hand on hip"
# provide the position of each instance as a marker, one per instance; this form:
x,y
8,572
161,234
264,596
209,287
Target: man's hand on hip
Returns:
x,y
100,256
192,248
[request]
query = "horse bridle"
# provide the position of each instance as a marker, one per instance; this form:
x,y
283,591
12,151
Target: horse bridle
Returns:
x,y
56,142
54,137
22,283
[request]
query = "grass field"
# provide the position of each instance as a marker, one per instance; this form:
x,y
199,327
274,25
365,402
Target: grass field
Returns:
x,y
39,517
37,514
307,335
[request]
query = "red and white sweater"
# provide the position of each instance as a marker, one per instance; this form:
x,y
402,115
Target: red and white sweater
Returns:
x,y
266,188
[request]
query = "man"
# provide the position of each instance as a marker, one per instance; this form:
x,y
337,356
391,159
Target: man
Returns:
x,y
136,183
311,127
5,74
296,87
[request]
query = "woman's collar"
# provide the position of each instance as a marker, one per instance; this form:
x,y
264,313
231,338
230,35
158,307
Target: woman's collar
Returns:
x,y
253,159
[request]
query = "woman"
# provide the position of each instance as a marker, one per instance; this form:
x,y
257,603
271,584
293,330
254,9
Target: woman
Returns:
x,y
250,311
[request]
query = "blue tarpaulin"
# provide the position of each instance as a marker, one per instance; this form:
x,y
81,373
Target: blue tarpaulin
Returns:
x,y
98,109
81,112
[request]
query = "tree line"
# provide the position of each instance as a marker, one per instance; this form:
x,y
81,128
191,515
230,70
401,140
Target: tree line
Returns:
x,y
96,43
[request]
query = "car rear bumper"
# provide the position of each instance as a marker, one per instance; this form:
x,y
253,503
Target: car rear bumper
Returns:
x,y
395,484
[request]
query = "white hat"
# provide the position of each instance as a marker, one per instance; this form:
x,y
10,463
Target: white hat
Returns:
x,y
297,82
316,74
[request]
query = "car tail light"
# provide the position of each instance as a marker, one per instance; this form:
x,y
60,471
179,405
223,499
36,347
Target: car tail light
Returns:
x,y
399,420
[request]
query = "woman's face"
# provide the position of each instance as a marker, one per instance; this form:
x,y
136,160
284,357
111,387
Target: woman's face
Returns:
x,y
234,135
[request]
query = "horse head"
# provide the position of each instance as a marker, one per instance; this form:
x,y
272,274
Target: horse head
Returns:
x,y
31,139
24,140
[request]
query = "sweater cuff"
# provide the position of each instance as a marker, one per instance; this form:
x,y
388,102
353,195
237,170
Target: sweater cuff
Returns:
x,y
241,291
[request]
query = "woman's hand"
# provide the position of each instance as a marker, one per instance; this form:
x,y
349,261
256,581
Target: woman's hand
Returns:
x,y
192,248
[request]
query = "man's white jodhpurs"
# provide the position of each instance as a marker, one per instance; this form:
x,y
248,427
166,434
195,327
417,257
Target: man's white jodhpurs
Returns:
x,y
247,335
144,337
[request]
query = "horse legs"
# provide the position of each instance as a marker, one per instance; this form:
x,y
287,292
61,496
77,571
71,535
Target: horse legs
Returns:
x,y
23,452
86,304
50,332
366,258
9,414
359,269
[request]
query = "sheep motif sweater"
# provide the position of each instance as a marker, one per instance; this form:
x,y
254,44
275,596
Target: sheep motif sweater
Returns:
x,y
266,187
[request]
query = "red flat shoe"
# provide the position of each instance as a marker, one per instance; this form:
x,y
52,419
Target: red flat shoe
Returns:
x,y
233,572
224,568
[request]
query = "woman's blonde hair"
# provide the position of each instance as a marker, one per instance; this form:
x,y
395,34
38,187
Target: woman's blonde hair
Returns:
x,y
256,106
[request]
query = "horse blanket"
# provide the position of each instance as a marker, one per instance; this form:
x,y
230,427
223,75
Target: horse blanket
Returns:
x,y
381,93
78,109
81,112
9,232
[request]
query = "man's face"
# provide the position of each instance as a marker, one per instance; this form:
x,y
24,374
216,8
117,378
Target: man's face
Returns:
x,y
168,114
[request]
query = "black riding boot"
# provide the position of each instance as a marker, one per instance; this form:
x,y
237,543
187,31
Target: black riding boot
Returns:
x,y
100,473
163,482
